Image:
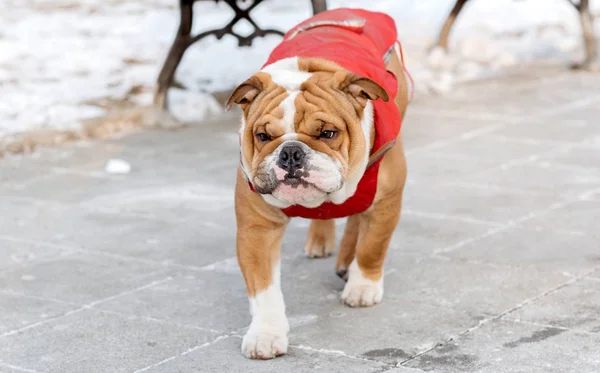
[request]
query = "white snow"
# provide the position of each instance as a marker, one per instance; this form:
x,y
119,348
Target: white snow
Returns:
x,y
62,61
117,166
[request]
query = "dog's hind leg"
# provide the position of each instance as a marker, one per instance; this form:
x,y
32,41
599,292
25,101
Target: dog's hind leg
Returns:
x,y
348,246
320,242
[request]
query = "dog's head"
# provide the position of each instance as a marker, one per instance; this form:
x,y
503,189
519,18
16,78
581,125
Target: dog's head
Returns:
x,y
306,131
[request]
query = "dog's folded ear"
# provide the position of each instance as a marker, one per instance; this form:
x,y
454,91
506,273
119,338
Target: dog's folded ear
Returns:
x,y
246,92
360,87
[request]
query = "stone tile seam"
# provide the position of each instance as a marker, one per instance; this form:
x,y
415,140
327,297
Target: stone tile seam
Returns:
x,y
73,250
111,211
516,321
336,353
498,188
159,321
450,217
18,368
520,161
187,352
538,141
51,300
452,114
491,223
111,312
501,315
494,265
571,105
84,307
456,139
517,221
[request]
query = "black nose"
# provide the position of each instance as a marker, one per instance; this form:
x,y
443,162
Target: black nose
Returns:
x,y
291,158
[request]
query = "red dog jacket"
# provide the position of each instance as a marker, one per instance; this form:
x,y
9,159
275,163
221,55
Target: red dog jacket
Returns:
x,y
359,41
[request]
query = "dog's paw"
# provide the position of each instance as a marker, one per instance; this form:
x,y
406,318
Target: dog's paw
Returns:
x,y
365,295
320,242
319,247
265,341
360,291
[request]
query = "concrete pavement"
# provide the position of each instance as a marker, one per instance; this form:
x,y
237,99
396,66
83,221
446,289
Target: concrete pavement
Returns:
x,y
495,266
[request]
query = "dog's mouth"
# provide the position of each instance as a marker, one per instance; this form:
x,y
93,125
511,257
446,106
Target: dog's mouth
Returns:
x,y
295,186
296,179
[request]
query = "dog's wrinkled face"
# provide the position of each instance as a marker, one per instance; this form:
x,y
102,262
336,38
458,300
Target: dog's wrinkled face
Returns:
x,y
306,131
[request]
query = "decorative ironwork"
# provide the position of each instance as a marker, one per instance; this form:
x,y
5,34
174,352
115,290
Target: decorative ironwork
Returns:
x,y
240,14
184,39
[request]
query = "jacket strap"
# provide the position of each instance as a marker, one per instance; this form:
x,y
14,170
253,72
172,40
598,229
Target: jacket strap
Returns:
x,y
380,152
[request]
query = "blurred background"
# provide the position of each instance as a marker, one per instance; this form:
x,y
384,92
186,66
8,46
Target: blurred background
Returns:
x,y
66,61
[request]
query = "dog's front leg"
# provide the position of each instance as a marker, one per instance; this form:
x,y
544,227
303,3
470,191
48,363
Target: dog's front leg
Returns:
x,y
376,226
365,276
258,250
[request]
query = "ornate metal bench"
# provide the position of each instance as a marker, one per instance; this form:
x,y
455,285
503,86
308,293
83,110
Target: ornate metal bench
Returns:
x,y
184,39
583,7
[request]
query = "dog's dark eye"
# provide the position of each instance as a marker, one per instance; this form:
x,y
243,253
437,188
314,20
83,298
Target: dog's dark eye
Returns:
x,y
263,137
328,134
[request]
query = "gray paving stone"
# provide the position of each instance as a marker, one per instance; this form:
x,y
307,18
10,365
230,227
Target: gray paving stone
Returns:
x,y
586,112
6,368
580,157
580,217
543,98
418,235
506,347
544,130
575,306
404,370
432,167
224,356
539,249
157,197
21,253
79,278
419,129
466,287
164,241
152,253
496,149
191,299
19,310
489,204
389,332
86,157
542,177
92,341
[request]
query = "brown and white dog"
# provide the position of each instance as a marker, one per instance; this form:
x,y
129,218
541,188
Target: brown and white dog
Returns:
x,y
320,138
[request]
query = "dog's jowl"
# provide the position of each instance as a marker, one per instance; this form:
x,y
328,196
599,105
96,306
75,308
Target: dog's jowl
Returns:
x,y
320,139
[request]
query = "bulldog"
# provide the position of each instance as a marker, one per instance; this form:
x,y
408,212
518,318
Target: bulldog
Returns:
x,y
320,139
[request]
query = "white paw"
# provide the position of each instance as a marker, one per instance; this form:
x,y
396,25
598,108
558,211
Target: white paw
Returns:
x,y
265,341
360,291
362,295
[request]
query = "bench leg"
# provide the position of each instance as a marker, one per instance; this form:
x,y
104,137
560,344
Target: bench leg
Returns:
x,y
180,44
587,24
319,6
445,32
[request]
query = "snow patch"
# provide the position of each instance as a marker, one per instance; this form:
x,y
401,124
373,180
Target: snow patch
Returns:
x,y
117,166
105,51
